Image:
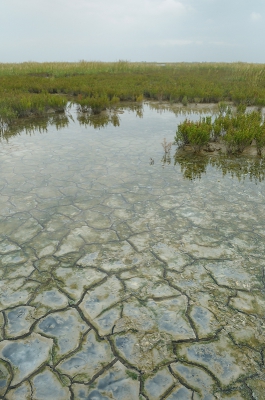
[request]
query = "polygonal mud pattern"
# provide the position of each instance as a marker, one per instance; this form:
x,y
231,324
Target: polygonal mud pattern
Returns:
x,y
122,280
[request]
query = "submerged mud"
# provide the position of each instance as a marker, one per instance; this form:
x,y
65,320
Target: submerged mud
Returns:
x,y
122,279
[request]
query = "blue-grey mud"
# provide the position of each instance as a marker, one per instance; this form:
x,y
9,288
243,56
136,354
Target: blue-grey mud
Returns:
x,y
127,273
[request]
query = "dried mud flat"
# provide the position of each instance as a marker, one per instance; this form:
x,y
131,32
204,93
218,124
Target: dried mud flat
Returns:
x,y
122,280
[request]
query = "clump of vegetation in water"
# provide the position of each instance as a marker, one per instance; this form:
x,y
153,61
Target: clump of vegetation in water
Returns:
x,y
236,131
94,103
33,88
20,105
196,134
260,138
241,131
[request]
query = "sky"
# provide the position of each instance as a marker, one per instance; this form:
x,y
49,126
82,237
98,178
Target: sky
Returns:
x,y
132,30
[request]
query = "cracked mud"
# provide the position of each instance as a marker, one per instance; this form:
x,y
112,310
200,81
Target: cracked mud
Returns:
x,y
124,280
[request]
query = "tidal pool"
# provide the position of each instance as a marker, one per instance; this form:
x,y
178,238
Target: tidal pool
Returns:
x,y
127,273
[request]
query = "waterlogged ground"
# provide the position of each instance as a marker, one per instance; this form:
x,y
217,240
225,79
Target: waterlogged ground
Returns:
x,y
124,278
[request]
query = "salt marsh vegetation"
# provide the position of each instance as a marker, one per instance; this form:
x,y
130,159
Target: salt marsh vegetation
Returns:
x,y
36,88
233,131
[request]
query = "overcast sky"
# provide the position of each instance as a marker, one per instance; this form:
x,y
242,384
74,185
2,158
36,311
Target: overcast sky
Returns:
x,y
133,30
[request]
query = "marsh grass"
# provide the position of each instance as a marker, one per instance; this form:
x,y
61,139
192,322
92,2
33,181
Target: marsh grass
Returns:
x,y
32,87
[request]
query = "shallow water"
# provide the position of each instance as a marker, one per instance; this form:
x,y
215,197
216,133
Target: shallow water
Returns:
x,y
125,279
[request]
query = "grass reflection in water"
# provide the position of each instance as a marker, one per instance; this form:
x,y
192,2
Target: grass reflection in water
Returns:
x,y
193,166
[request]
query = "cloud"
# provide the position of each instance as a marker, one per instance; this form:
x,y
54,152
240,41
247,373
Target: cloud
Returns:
x,y
255,16
222,43
99,21
178,42
170,6
131,29
129,7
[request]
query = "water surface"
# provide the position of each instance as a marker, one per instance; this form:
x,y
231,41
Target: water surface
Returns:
x,y
127,273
